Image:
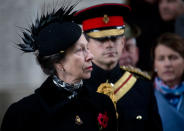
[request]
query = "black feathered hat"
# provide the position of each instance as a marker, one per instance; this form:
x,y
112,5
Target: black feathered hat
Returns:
x,y
52,33
103,20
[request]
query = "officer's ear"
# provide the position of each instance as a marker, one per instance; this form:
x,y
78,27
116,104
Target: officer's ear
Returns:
x,y
123,40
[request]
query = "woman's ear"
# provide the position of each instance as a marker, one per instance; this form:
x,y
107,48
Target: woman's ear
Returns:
x,y
59,67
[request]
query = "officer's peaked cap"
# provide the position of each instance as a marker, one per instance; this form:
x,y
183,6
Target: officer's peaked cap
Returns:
x,y
103,20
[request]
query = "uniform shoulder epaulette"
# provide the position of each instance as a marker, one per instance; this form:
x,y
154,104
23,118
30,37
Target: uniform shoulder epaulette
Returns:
x,y
136,71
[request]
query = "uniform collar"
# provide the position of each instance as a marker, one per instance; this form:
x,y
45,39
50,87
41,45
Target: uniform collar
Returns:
x,y
100,75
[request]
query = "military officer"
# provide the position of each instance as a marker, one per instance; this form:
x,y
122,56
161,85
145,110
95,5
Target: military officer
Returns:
x,y
129,89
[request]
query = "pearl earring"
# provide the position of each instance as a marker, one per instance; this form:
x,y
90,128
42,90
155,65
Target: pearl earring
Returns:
x,y
62,69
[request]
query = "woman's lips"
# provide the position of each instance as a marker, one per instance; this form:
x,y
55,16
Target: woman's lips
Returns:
x,y
168,72
89,68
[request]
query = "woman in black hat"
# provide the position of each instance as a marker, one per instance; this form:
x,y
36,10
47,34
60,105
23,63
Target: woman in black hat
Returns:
x,y
62,102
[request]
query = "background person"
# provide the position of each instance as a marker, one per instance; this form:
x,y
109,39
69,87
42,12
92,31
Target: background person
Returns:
x,y
145,14
172,15
130,54
169,80
171,9
62,102
132,94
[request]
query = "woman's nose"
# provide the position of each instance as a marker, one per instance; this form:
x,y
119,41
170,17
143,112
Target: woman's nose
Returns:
x,y
167,62
89,56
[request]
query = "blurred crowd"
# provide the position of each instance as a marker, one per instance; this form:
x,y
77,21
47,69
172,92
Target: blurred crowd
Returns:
x,y
153,18
155,44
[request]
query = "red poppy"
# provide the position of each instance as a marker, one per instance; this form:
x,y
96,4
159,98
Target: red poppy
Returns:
x,y
103,120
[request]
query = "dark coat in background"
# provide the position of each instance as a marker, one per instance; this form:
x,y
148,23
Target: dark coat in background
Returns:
x,y
137,109
49,110
146,17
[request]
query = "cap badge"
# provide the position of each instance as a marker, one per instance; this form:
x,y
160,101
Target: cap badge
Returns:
x,y
78,120
105,19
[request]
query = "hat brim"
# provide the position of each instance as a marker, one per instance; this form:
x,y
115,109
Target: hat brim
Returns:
x,y
105,33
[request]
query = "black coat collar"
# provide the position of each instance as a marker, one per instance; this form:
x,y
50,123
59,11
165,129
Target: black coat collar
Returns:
x,y
54,100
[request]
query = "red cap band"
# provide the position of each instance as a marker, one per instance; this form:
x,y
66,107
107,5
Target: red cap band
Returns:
x,y
100,22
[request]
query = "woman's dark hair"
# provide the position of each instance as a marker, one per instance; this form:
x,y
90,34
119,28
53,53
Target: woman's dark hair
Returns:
x,y
47,62
170,40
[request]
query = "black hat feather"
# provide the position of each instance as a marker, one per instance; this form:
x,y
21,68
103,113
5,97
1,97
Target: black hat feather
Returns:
x,y
52,32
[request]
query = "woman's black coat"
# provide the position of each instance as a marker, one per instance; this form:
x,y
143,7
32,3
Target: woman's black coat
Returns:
x,y
49,110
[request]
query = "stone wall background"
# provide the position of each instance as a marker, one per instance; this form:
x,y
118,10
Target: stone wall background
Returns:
x,y
19,73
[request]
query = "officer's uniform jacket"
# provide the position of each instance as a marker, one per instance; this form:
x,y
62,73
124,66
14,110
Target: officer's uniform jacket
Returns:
x,y
136,105
49,110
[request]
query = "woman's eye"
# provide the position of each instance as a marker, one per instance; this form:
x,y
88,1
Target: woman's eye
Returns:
x,y
161,58
173,57
78,50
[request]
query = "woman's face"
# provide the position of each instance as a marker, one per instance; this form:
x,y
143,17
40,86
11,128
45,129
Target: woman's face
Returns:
x,y
77,62
168,63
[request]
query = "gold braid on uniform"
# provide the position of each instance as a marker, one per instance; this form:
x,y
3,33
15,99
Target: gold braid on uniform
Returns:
x,y
107,89
136,71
